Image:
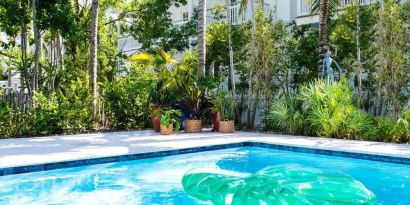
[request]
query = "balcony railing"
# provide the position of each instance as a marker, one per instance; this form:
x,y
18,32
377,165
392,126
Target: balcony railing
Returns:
x,y
237,17
305,8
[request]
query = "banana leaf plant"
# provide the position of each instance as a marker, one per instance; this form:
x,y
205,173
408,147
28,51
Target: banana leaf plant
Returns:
x,y
160,62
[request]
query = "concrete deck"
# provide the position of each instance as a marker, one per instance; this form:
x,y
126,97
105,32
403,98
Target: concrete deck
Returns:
x,y
39,150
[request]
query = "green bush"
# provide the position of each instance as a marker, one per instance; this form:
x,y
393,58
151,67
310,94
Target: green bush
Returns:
x,y
286,114
7,125
75,107
358,125
326,109
326,105
127,99
43,117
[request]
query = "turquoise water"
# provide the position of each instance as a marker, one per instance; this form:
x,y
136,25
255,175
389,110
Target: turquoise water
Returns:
x,y
158,180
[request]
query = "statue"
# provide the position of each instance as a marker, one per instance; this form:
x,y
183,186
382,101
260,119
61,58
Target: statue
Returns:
x,y
327,62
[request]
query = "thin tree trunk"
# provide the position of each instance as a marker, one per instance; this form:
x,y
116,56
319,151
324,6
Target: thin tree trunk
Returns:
x,y
250,76
37,41
381,36
201,37
93,51
358,52
231,63
25,80
323,18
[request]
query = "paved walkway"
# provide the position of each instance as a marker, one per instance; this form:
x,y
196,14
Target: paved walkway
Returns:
x,y
38,150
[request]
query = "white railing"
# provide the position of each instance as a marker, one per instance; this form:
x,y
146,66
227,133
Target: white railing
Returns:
x,y
305,8
128,44
237,17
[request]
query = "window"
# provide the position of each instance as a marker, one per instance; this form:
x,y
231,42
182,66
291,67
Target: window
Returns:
x,y
185,16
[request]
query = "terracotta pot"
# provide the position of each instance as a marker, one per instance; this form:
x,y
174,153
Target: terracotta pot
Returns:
x,y
167,130
215,121
227,126
193,126
155,119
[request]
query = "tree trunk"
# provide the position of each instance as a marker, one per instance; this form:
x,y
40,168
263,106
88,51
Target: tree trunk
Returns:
x,y
201,37
37,41
250,76
25,80
358,52
323,18
381,36
93,51
231,63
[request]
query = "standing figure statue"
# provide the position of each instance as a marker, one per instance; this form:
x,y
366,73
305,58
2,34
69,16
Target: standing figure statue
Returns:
x,y
327,64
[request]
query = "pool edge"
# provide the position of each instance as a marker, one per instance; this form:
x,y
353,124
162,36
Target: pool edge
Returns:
x,y
128,157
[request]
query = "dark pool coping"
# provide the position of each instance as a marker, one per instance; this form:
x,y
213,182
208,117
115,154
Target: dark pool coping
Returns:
x,y
120,158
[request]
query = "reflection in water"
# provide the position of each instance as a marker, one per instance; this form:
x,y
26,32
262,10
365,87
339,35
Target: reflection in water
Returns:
x,y
276,185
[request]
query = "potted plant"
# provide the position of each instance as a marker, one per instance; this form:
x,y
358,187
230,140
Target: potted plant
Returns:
x,y
169,120
196,102
159,61
227,109
217,103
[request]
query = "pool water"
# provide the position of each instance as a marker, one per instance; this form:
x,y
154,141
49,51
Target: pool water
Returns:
x,y
158,180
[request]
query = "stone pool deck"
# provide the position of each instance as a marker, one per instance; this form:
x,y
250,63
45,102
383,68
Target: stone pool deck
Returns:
x,y
40,150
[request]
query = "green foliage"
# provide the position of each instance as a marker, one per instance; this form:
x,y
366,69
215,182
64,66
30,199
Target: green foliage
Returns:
x,y
74,107
170,117
326,109
7,125
152,25
358,125
127,99
394,129
224,104
286,114
326,104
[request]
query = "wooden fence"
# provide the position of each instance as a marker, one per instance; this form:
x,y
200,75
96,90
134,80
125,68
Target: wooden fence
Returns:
x,y
20,101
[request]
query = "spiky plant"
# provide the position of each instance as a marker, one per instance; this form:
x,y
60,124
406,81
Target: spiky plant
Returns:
x,y
287,114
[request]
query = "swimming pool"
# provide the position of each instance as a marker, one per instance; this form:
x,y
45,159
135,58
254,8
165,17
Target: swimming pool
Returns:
x,y
158,180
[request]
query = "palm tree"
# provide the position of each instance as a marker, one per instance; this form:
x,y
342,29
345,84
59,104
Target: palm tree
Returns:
x,y
201,37
323,7
93,50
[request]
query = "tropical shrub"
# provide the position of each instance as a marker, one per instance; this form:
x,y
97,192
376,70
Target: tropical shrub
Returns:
x,y
74,107
7,125
44,116
326,105
287,114
358,125
325,109
127,99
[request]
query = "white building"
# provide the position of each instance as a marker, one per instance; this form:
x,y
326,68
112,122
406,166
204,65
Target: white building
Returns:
x,y
285,10
14,82
304,16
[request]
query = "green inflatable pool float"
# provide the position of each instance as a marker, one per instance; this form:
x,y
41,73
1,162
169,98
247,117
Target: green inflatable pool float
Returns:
x,y
278,185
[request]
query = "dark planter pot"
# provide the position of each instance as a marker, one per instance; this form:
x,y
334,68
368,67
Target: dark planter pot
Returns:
x,y
215,121
155,119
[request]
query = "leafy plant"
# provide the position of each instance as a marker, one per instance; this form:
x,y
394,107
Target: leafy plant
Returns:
x,y
127,99
170,117
195,101
287,114
358,125
224,104
326,105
